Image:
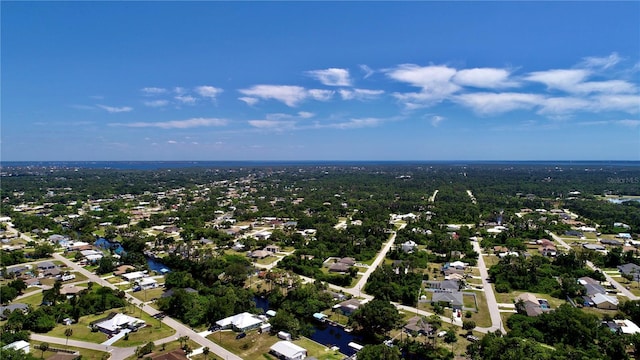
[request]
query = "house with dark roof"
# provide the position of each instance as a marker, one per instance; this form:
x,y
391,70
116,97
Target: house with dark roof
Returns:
x,y
452,299
420,325
529,304
11,308
339,267
591,286
629,269
444,285
347,261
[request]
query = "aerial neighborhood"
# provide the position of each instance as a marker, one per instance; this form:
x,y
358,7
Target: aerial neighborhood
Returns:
x,y
319,261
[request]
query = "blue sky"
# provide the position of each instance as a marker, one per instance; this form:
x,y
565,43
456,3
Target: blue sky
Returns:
x,y
320,81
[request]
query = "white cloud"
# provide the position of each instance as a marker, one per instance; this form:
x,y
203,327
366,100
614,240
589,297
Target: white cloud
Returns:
x,y
331,76
626,123
601,62
272,124
435,81
367,70
208,91
249,100
186,99
490,78
172,142
492,103
306,114
176,124
360,94
288,94
563,105
322,95
179,90
113,109
153,90
626,103
356,123
560,79
156,103
436,120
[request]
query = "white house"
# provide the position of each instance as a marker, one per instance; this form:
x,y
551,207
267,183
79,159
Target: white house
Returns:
x,y
147,283
240,322
288,350
133,276
19,345
409,246
119,322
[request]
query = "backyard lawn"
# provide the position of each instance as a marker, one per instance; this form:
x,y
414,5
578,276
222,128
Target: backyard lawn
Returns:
x,y
86,353
256,346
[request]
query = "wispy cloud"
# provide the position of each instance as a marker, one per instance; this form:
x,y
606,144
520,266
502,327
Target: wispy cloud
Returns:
x,y
153,90
489,78
574,81
272,124
156,103
355,123
208,91
281,116
249,100
186,99
367,70
114,109
176,124
359,94
491,103
601,62
331,76
287,94
631,123
436,120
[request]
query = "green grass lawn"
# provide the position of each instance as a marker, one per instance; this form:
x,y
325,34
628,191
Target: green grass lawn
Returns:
x,y
468,301
114,280
510,297
256,346
81,330
151,332
266,261
147,295
34,300
482,317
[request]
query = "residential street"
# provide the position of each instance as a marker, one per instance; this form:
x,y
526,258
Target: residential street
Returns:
x,y
492,304
613,282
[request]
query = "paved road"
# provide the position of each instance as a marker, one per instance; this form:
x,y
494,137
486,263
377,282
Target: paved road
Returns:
x,y
357,289
180,328
492,304
613,282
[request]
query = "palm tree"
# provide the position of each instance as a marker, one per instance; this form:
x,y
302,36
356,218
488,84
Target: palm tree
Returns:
x,y
205,352
68,332
43,347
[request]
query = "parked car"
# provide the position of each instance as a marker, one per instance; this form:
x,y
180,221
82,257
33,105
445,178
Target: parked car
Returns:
x,y
472,338
241,335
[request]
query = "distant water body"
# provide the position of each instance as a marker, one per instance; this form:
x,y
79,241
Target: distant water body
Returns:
x,y
157,165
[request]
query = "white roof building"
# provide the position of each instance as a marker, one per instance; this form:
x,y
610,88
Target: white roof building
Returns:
x,y
147,283
133,276
118,322
288,350
628,326
19,345
604,301
240,322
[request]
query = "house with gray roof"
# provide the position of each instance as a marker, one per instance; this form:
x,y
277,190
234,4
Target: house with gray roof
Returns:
x,y
629,269
11,308
452,299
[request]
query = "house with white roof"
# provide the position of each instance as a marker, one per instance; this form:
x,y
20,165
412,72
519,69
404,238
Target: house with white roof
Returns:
x,y
119,322
606,302
288,350
134,276
147,283
240,322
19,345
